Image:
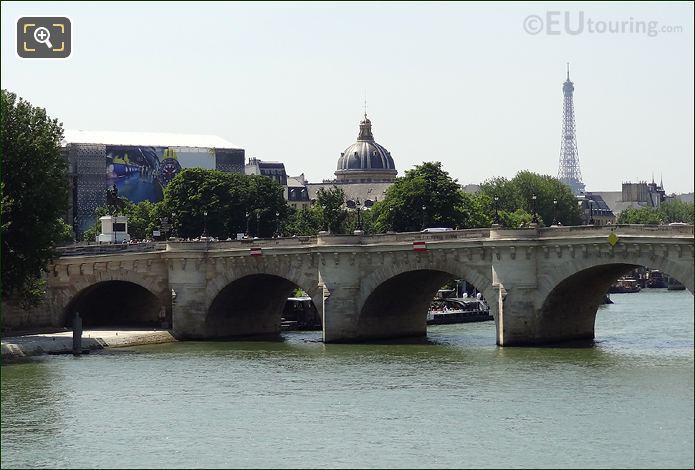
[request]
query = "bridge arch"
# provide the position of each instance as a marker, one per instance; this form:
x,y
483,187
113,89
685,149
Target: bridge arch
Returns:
x,y
570,300
395,297
78,293
250,302
115,303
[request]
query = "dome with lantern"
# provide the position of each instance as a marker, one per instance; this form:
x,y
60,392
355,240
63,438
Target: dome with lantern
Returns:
x,y
365,161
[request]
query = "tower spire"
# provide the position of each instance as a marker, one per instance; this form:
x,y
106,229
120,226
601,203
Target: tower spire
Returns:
x,y
365,103
569,172
365,129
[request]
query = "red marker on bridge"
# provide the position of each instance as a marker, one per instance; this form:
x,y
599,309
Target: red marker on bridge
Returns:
x,y
419,246
256,252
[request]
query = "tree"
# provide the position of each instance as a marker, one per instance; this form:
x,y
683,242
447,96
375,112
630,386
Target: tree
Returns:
x,y
264,199
305,221
641,215
675,210
518,218
34,194
425,196
233,203
475,211
517,193
333,215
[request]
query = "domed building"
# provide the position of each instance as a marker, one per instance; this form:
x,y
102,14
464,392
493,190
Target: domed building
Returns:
x,y
365,161
365,170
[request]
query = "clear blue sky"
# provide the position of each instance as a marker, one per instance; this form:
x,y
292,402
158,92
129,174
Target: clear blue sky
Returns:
x,y
462,83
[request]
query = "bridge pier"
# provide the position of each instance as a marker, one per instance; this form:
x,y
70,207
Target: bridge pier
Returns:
x,y
189,311
521,322
340,288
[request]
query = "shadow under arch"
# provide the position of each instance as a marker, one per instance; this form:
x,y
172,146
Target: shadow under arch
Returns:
x,y
569,310
114,303
397,307
250,306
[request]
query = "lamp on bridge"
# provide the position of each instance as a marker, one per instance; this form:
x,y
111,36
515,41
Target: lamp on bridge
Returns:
x,y
258,222
246,214
424,208
358,206
205,223
277,224
534,219
554,212
591,212
324,208
496,220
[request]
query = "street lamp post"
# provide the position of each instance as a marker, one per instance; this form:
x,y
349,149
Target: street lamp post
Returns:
x,y
205,223
424,208
534,219
359,209
277,224
325,218
554,212
258,223
246,214
496,220
591,212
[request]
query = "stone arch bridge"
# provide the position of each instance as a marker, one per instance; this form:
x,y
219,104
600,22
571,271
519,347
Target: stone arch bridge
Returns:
x,y
543,285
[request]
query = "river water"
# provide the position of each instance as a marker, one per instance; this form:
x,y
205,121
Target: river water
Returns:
x,y
455,401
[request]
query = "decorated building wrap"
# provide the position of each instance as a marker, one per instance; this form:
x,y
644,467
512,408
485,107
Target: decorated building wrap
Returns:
x,y
140,165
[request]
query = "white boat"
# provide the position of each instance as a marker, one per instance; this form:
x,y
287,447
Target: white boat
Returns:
x,y
300,314
458,310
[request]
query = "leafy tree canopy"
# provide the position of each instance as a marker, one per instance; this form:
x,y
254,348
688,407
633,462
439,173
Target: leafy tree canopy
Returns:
x,y
425,196
234,204
516,194
330,202
34,192
670,211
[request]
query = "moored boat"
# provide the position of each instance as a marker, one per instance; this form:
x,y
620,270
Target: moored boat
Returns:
x,y
458,310
300,314
674,284
656,280
624,285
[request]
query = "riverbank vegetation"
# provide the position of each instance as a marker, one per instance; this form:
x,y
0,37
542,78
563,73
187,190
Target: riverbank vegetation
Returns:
x,y
671,211
34,192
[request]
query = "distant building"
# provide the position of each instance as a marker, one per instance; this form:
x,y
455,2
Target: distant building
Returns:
x,y
139,164
685,197
273,170
295,190
594,210
365,161
635,195
297,194
471,188
365,169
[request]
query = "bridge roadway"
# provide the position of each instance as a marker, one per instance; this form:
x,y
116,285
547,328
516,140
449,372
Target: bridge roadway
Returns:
x,y
543,285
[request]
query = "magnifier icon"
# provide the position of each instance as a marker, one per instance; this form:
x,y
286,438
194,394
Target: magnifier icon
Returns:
x,y
43,35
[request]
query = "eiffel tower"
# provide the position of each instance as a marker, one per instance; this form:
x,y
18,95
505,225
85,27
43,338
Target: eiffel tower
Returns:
x,y
569,172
